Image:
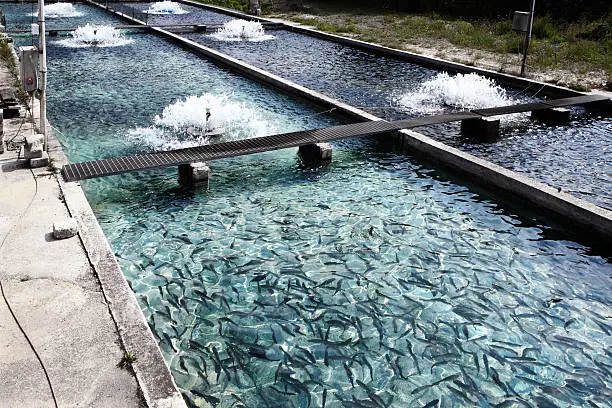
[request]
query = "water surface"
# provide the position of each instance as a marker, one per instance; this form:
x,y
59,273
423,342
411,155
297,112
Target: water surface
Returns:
x,y
574,157
375,281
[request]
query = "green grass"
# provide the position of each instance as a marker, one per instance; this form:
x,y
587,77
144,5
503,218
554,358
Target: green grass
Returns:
x,y
6,55
584,45
240,5
127,360
348,28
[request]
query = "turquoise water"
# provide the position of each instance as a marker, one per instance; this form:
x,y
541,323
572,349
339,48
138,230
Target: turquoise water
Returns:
x,y
375,281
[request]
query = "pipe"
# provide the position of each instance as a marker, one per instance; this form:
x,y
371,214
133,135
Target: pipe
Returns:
x,y
43,70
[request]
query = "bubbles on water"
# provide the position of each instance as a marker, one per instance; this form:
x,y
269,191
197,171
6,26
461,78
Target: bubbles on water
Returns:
x,y
166,7
94,35
185,123
58,10
461,91
238,30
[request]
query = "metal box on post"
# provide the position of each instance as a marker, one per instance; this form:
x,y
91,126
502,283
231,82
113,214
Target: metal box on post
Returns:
x,y
28,68
520,21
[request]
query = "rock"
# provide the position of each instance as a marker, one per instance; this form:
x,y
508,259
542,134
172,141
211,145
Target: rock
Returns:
x,y
42,161
33,146
65,229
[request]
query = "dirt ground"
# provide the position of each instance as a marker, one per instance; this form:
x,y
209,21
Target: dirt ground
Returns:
x,y
440,48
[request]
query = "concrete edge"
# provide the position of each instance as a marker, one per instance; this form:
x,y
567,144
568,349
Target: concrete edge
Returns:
x,y
575,213
543,88
152,374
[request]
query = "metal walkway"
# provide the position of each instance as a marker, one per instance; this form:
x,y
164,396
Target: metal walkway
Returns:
x,y
118,165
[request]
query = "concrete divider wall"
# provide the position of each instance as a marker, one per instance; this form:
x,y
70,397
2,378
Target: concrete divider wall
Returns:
x,y
576,214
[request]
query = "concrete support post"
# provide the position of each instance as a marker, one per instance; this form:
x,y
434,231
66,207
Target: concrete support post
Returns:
x,y
481,128
33,151
604,107
317,154
553,115
194,174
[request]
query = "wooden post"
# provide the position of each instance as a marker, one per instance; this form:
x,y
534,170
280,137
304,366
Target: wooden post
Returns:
x,y
527,38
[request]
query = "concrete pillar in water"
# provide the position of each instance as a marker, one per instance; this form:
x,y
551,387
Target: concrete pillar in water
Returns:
x,y
481,128
316,154
254,7
553,115
194,174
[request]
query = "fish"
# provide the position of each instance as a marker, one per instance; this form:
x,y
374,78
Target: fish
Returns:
x,y
396,370
265,353
214,401
414,357
308,354
349,374
461,394
362,359
431,404
485,360
282,371
372,394
497,380
424,387
379,327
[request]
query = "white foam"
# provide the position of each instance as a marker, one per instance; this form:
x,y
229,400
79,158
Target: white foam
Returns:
x,y
58,10
239,30
173,128
166,7
461,91
93,35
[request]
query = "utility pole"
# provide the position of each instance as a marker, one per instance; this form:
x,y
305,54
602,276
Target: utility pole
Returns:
x,y
42,49
527,38
254,7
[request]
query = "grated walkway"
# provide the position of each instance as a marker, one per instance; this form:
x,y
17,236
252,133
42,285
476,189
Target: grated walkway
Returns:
x,y
118,165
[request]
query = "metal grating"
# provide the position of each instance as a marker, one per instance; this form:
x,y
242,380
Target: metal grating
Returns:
x,y
118,165
505,110
577,100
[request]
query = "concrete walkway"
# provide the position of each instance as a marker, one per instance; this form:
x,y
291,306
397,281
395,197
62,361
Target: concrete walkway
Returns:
x,y
55,296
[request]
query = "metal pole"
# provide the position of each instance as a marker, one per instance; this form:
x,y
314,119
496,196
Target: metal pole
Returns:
x,y
527,38
43,70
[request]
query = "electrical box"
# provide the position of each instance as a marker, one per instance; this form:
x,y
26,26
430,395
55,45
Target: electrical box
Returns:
x,y
28,68
520,21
